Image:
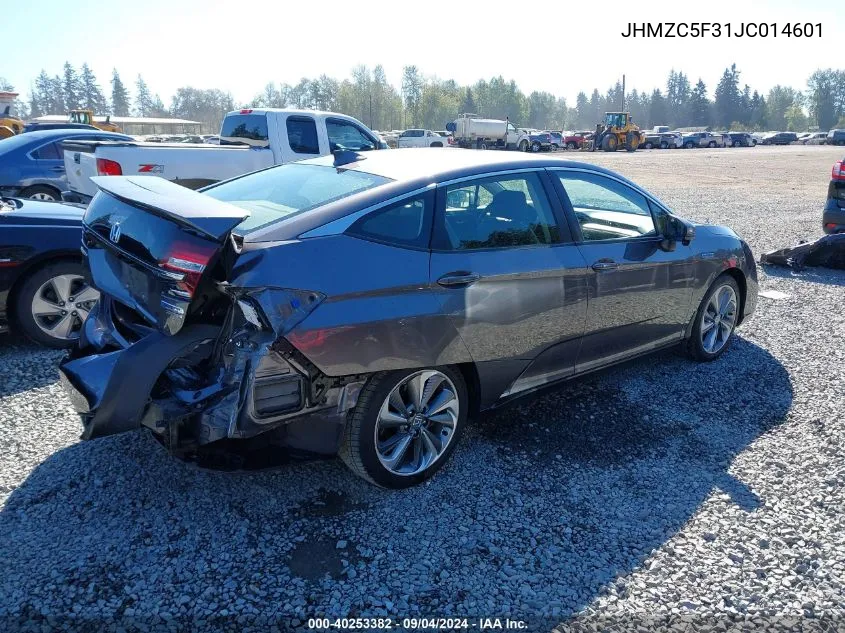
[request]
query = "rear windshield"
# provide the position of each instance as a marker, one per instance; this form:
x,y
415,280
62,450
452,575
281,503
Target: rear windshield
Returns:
x,y
287,190
245,128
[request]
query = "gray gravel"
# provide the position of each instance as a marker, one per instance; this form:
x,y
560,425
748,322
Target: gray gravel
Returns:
x,y
660,488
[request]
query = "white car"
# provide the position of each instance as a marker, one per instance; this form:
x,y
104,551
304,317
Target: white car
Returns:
x,y
250,139
421,138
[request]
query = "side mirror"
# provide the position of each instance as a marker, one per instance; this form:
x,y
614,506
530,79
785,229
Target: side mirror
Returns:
x,y
676,230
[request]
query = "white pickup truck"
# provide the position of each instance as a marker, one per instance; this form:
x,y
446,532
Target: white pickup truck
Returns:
x,y
250,140
422,138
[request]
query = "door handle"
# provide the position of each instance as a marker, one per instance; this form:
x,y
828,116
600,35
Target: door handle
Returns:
x,y
57,168
452,280
605,265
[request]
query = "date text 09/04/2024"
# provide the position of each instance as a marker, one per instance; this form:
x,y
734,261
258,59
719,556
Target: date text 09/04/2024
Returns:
x,y
722,29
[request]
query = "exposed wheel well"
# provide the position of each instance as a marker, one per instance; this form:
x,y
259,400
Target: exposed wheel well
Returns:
x,y
24,194
470,375
739,278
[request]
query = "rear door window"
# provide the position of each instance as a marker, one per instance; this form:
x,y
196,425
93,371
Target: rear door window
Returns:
x,y
302,135
50,151
245,128
405,223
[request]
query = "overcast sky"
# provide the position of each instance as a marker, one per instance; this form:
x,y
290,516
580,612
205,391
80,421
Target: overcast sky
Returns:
x,y
560,47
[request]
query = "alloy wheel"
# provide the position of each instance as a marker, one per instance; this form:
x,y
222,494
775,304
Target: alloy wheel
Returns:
x,y
719,319
416,422
61,304
46,197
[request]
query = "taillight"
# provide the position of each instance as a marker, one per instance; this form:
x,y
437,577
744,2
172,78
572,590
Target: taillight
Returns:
x,y
838,171
188,261
106,167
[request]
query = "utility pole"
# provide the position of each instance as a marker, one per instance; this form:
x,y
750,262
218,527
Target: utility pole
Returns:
x,y
623,93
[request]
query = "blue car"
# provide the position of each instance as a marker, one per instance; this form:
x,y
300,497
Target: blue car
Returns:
x,y
32,165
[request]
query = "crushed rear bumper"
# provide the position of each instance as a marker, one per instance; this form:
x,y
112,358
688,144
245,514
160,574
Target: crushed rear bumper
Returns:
x,y
199,386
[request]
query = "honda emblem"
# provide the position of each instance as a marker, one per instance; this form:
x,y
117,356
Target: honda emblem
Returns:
x,y
114,233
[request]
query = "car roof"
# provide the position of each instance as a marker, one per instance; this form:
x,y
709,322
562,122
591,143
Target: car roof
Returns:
x,y
434,164
47,134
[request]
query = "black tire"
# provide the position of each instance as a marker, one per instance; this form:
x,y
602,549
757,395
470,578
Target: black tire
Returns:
x,y
535,147
555,147
437,144
358,446
632,141
664,145
523,146
42,192
711,144
25,294
694,344
610,143
689,144
571,145
648,145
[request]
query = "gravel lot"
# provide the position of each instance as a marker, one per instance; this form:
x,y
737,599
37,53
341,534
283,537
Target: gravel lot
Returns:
x,y
658,489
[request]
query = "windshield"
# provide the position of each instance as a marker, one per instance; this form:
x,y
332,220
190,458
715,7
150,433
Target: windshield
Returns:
x,y
281,192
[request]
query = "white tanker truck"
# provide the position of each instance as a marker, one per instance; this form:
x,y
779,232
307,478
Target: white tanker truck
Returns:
x,y
471,131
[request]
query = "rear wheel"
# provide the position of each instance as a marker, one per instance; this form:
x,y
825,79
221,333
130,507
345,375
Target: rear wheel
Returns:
x,y
715,320
535,147
405,425
523,146
53,302
41,192
689,144
555,147
632,141
664,145
571,145
711,144
648,145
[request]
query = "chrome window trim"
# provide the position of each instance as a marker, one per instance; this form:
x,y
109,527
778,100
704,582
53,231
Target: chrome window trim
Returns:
x,y
340,225
492,174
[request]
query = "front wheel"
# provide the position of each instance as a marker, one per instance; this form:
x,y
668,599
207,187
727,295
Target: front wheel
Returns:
x,y
571,145
535,147
405,425
711,144
523,146
715,320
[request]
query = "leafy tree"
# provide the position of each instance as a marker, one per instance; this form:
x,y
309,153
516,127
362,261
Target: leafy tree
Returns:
x,y
412,85
780,99
468,104
796,120
823,86
119,96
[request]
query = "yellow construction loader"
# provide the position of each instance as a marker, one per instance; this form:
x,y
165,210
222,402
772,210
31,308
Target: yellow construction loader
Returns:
x,y
87,117
9,124
619,130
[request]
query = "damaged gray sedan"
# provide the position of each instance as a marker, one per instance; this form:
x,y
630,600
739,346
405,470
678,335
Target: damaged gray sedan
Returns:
x,y
369,304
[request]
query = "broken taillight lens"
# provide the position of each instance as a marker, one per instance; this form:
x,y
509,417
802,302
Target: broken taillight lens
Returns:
x,y
189,261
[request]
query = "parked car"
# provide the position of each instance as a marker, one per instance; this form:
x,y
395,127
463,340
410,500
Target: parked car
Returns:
x,y
836,137
43,293
539,141
665,140
833,216
779,138
31,164
250,139
35,126
369,303
557,141
703,139
574,140
813,138
421,138
742,139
